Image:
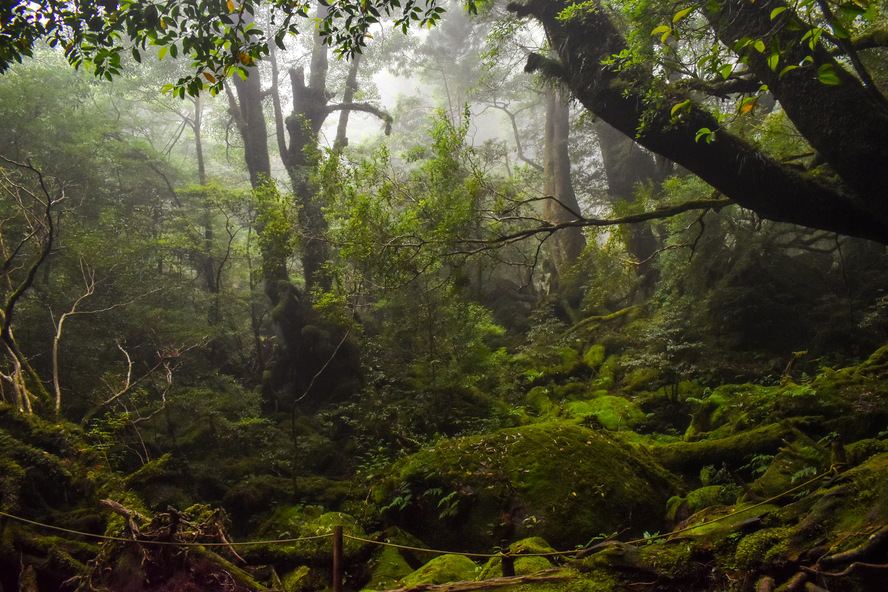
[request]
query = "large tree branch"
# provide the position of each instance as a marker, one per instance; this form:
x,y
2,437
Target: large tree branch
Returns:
x,y
720,88
871,40
739,170
846,122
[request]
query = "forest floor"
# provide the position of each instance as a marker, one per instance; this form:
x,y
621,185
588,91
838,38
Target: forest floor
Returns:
x,y
769,488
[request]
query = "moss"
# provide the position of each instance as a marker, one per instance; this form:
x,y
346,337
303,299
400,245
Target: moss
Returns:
x,y
155,469
523,565
572,390
712,495
845,509
414,558
787,470
573,581
609,411
386,569
641,378
443,569
605,378
862,450
756,549
676,560
306,521
690,457
594,356
538,400
295,580
501,485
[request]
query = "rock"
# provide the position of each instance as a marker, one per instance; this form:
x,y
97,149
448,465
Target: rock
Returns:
x,y
563,482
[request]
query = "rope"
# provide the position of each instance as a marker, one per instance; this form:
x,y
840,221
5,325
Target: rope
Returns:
x,y
171,543
832,470
409,548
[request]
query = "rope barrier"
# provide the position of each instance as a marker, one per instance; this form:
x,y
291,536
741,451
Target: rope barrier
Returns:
x,y
733,513
171,543
409,548
832,469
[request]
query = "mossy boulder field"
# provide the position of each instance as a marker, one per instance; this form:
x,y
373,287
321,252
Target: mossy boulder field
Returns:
x,y
767,498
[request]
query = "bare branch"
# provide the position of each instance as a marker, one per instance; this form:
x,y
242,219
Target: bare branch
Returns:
x,y
511,115
549,229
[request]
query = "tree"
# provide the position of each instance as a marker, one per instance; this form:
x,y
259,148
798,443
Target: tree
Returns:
x,y
836,108
25,243
811,58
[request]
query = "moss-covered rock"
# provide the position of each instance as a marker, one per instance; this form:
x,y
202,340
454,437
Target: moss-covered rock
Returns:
x,y
538,400
594,356
530,558
386,568
296,580
443,569
755,549
608,411
291,522
557,480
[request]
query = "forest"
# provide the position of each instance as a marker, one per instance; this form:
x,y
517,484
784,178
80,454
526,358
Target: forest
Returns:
x,y
426,295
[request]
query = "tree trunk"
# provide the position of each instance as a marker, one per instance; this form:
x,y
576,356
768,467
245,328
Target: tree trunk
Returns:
x,y
348,97
247,112
304,125
627,167
567,244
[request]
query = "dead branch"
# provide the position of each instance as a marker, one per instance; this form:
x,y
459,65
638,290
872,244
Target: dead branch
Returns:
x,y
127,513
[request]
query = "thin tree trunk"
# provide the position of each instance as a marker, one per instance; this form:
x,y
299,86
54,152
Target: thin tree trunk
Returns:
x,y
348,97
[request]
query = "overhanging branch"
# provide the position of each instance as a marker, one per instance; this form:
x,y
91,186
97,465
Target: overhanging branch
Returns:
x,y
366,108
549,229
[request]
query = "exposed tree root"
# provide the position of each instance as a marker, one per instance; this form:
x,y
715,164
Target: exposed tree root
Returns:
x,y
548,576
870,547
166,554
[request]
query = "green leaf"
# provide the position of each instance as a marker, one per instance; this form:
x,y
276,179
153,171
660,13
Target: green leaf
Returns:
x,y
826,74
840,31
851,10
773,60
704,132
682,13
776,12
162,53
665,30
137,56
759,45
686,104
784,71
726,70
